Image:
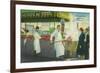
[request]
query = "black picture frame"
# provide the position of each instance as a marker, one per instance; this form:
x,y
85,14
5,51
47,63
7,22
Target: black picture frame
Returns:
x,y
13,35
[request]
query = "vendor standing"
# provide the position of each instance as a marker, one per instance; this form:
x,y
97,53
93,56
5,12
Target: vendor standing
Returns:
x,y
36,42
58,45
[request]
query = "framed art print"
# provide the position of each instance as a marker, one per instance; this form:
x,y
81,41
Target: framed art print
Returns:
x,y
52,36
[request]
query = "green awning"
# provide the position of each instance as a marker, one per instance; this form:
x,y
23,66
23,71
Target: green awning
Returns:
x,y
43,16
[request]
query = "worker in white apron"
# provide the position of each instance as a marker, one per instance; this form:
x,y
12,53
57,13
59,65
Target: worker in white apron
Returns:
x,y
36,42
58,45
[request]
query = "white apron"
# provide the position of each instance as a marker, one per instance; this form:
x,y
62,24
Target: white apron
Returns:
x,y
58,45
37,42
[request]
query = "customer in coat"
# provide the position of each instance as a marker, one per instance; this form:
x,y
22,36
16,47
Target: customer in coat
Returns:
x,y
81,45
86,43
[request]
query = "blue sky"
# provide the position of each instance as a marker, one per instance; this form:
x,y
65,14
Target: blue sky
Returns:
x,y
80,16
